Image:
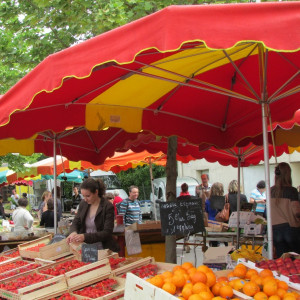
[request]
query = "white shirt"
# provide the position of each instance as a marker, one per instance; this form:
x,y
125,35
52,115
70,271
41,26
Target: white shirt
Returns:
x,y
22,217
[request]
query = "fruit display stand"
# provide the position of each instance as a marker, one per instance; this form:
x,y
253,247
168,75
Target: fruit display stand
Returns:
x,y
51,287
117,289
11,253
49,252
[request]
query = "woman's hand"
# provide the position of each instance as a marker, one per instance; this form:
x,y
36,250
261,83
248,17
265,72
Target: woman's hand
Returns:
x,y
75,238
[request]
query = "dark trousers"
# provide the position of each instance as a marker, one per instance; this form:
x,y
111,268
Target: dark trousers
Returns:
x,y
286,239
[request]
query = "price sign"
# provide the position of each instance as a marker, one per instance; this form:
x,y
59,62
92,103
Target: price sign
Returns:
x,y
89,253
181,217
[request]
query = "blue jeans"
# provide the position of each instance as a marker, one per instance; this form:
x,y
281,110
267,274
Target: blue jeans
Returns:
x,y
286,239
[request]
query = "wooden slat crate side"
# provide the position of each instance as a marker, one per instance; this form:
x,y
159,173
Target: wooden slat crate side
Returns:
x,y
162,267
43,262
10,260
134,265
56,250
20,274
56,263
45,289
120,289
33,254
8,252
40,290
75,279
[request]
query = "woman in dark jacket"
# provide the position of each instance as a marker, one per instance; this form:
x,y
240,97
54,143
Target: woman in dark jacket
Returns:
x,y
94,222
47,218
233,194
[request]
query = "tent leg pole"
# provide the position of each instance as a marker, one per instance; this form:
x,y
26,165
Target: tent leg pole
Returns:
x,y
238,204
267,179
55,188
152,188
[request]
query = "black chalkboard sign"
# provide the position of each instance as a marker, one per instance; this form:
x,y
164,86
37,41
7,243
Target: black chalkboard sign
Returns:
x,y
181,217
89,253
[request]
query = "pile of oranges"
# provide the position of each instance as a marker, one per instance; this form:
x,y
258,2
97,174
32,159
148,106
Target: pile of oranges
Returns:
x,y
189,283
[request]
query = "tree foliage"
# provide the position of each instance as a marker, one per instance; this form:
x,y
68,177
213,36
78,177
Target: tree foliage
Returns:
x,y
33,29
15,162
140,177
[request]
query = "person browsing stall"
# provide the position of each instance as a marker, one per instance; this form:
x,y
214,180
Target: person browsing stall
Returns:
x,y
43,205
22,218
285,211
204,187
258,197
76,198
47,219
94,221
130,208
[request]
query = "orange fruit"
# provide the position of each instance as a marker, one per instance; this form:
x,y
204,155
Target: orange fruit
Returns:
x,y
267,279
198,277
281,292
265,273
220,298
186,292
250,272
222,279
167,274
289,296
270,288
179,272
169,287
238,285
274,297
257,279
158,281
206,295
260,296
230,275
188,285
216,289
200,287
179,280
203,269
195,297
250,288
187,265
232,282
239,271
226,291
178,268
282,285
241,266
181,298
192,270
211,279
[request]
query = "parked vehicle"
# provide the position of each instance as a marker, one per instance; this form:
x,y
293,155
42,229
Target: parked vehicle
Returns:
x,y
111,181
159,186
146,208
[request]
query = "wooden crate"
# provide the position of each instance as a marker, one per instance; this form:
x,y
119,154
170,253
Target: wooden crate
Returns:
x,y
148,225
47,289
120,288
136,264
106,253
92,273
9,252
137,288
214,226
49,252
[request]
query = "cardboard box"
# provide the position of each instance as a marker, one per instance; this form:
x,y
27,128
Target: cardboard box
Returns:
x,y
216,255
245,218
253,229
216,226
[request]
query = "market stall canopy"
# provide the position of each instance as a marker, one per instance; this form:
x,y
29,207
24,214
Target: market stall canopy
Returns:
x,y
206,81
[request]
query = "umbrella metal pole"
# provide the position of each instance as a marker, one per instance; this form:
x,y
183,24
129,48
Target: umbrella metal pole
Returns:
x,y
55,189
152,188
267,179
238,204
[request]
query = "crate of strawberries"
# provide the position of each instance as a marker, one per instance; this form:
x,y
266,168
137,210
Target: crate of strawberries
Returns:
x,y
107,287
40,248
33,286
72,269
